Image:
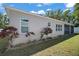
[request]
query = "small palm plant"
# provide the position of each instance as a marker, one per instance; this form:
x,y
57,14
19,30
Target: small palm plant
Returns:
x,y
10,32
30,35
45,31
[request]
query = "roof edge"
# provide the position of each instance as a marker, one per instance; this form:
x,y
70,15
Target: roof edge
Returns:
x,y
35,14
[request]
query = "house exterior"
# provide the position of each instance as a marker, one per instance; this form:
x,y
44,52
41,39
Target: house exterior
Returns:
x,y
29,22
76,29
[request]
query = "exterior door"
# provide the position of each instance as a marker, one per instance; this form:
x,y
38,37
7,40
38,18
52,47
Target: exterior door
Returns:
x,y
66,29
72,29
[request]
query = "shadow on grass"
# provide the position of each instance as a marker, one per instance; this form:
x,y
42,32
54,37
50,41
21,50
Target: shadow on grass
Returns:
x,y
29,50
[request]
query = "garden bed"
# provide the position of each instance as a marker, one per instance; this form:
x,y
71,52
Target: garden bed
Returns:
x,y
34,48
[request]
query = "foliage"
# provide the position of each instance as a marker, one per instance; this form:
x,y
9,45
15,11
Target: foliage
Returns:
x,y
29,33
3,20
76,13
9,30
57,14
76,9
46,31
77,25
3,44
61,15
33,49
66,14
3,34
67,47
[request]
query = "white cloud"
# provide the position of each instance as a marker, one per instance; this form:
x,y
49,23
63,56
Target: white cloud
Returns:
x,y
39,5
48,9
43,4
69,5
33,12
46,3
41,12
38,12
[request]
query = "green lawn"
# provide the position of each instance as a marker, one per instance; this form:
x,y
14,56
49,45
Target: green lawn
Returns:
x,y
62,45
69,47
3,44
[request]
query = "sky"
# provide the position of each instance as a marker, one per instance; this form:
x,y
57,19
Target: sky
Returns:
x,y
38,8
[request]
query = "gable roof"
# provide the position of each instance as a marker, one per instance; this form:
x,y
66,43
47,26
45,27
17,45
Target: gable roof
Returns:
x,y
37,15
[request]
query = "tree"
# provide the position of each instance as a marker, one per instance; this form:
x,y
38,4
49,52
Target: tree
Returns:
x,y
57,14
3,20
60,15
66,15
50,14
76,14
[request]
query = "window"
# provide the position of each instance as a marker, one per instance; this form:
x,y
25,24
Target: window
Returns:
x,y
24,29
49,24
24,25
58,27
61,28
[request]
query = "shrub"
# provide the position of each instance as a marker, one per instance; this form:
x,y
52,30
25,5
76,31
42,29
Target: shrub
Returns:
x,y
15,34
3,34
46,31
29,33
9,30
32,33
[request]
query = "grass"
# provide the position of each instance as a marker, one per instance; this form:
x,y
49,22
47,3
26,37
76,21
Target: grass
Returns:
x,y
36,48
3,44
69,47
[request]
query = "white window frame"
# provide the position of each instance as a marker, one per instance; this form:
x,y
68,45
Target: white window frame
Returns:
x,y
22,17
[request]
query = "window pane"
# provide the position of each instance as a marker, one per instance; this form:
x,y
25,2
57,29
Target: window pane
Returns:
x,y
56,27
24,29
24,25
